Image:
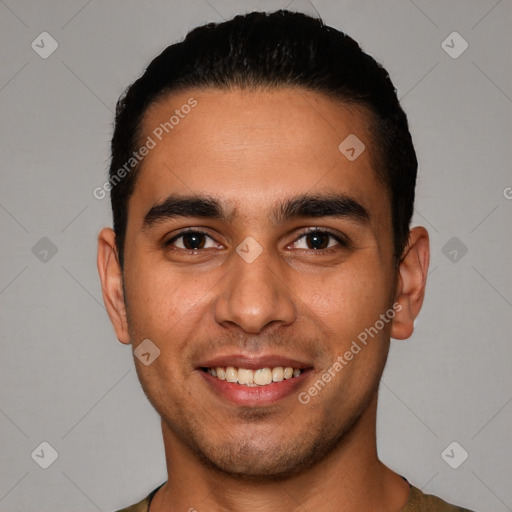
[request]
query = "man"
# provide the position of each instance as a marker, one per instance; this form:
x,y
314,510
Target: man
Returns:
x,y
262,185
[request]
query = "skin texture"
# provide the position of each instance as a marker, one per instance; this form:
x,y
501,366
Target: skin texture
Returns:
x,y
251,150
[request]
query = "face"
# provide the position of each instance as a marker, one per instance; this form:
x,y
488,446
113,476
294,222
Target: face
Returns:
x,y
254,243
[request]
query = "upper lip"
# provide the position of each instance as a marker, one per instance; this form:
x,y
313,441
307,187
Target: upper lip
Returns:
x,y
252,362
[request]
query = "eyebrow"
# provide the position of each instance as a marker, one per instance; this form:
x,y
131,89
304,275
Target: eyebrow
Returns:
x,y
184,206
315,206
303,206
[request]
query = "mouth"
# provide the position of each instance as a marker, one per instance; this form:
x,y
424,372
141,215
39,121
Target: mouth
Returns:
x,y
253,378
253,381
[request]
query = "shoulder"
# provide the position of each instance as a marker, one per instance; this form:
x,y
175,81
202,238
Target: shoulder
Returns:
x,y
143,505
420,502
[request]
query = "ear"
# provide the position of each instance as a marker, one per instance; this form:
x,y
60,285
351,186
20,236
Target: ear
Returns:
x,y
112,283
412,279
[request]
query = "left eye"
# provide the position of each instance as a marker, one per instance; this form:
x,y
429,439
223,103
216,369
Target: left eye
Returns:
x,y
317,241
192,241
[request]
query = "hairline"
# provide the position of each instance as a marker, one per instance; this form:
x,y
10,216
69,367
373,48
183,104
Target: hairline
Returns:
x,y
357,106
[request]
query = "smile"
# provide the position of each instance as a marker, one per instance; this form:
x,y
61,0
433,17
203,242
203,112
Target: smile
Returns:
x,y
253,378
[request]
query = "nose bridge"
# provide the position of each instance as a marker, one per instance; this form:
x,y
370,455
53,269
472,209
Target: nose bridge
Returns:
x,y
253,294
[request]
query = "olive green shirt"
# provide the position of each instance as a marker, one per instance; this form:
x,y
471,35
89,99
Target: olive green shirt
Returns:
x,y
418,502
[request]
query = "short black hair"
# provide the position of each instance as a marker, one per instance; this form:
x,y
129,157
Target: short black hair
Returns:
x,y
272,50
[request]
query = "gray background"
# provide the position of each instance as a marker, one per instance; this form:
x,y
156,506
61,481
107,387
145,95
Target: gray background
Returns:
x,y
64,377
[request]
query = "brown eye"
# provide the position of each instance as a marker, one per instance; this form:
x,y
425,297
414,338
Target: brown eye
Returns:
x,y
318,240
191,241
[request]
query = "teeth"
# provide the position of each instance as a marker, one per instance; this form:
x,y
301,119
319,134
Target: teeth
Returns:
x,y
245,376
278,374
231,374
260,377
288,372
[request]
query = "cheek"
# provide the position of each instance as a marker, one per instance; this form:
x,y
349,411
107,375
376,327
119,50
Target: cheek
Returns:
x,y
159,300
350,299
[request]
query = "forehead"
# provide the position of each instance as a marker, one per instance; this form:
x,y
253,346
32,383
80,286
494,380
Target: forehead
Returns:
x,y
252,147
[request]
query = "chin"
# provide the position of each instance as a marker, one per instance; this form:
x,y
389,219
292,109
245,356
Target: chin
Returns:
x,y
258,469
275,460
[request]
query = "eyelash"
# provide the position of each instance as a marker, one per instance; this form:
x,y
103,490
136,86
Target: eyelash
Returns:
x,y
341,241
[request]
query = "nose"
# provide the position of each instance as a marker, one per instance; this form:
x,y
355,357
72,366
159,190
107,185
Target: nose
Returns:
x,y
253,295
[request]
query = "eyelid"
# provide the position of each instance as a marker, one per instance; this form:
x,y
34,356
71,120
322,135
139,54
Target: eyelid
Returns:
x,y
184,232
339,237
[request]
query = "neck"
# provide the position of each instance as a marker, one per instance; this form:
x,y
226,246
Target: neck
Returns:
x,y
350,478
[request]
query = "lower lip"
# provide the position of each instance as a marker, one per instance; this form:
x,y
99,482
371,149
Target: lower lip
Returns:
x,y
254,396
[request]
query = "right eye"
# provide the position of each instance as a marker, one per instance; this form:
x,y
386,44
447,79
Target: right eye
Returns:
x,y
192,241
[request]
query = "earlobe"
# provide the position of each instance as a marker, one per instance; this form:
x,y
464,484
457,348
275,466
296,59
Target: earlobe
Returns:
x,y
112,283
412,280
